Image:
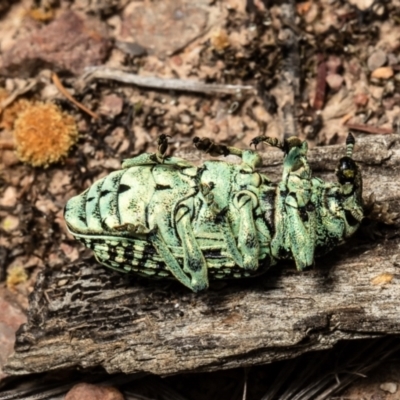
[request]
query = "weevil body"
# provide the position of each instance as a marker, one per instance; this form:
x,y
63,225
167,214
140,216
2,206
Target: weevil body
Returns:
x,y
164,217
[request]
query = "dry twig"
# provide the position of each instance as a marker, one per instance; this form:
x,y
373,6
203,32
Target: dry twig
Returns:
x,y
153,82
321,84
370,129
65,92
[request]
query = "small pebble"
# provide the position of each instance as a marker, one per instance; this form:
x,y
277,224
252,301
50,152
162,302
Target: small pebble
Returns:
x,y
334,81
378,9
382,73
389,387
111,105
10,223
185,118
362,4
376,60
392,59
62,282
9,197
86,391
361,99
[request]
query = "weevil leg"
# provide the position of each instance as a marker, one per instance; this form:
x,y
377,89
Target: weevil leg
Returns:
x,y
230,241
194,262
294,215
170,261
294,232
149,158
248,244
301,234
222,221
250,158
215,150
156,158
285,146
162,146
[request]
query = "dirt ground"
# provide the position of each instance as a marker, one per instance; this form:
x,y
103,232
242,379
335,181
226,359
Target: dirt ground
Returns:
x,y
313,68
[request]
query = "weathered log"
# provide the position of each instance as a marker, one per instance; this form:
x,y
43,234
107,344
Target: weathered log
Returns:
x,y
85,315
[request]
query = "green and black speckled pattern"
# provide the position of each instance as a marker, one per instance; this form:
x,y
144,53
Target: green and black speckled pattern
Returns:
x,y
165,218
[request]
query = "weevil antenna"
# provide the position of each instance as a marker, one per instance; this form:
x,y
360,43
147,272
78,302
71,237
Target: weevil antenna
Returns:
x,y
350,141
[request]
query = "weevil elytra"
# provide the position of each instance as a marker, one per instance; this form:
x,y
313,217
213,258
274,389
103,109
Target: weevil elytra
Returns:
x,y
162,216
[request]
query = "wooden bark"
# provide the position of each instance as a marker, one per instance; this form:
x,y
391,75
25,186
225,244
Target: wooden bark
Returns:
x,y
85,315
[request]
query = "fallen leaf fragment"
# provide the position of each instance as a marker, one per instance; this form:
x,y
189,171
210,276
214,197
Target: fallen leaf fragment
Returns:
x,y
382,279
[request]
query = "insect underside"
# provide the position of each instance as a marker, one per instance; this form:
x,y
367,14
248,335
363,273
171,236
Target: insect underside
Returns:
x,y
164,217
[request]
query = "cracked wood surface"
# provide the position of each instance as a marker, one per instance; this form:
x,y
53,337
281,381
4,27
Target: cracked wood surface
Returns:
x,y
86,315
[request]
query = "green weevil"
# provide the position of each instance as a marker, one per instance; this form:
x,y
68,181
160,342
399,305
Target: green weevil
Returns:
x,y
162,216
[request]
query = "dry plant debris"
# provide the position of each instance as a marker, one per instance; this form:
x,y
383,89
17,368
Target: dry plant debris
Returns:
x,y
11,113
16,275
44,134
